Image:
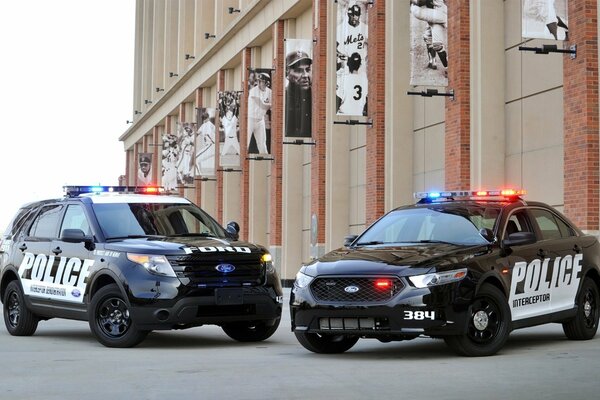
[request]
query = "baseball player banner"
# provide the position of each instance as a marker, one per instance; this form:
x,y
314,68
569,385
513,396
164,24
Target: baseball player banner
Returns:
x,y
229,129
185,155
545,19
428,42
259,111
170,152
144,173
351,47
298,88
205,143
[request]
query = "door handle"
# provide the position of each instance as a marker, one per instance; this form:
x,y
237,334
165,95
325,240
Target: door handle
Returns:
x,y
57,251
541,253
576,248
23,247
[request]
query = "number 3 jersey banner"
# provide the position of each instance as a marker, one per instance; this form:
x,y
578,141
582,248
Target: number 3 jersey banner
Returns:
x,y
351,48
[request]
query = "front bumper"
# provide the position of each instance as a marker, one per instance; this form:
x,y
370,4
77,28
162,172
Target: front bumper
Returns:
x,y
438,311
217,307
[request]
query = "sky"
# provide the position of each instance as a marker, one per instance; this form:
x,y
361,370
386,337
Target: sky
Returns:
x,y
66,93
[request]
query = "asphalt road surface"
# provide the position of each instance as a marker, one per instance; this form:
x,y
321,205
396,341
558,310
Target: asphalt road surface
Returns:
x,y
64,361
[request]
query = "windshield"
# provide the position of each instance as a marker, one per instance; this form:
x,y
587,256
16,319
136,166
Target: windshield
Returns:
x,y
425,225
122,220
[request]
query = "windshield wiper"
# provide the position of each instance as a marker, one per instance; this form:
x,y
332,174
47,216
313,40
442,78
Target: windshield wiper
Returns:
x,y
431,241
371,243
135,237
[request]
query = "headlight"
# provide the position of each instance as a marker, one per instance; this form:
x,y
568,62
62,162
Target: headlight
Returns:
x,y
267,259
302,280
157,265
438,278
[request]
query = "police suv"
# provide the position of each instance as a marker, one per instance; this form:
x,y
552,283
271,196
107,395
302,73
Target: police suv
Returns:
x,y
468,267
131,263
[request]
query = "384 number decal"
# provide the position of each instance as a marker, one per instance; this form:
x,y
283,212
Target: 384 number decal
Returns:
x,y
419,315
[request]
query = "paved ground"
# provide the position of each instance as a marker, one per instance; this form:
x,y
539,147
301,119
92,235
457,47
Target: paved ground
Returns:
x,y
64,361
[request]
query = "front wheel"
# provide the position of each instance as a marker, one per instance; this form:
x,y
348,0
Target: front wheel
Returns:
x,y
489,325
110,321
326,344
585,323
18,319
254,331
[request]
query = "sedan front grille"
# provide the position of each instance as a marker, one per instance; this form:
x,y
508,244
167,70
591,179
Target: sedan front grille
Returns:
x,y
356,289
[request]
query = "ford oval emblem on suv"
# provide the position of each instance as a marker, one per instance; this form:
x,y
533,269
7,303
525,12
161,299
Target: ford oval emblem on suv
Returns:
x,y
225,268
351,289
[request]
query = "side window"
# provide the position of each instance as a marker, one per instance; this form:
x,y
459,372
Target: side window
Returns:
x,y
75,219
517,222
46,223
565,230
547,224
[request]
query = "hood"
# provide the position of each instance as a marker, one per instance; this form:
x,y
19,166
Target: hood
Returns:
x,y
398,260
184,245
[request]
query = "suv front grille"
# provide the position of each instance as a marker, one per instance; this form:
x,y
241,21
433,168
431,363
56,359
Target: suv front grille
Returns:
x,y
356,289
201,271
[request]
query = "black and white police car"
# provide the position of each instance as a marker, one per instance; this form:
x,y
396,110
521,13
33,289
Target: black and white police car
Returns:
x,y
468,267
130,263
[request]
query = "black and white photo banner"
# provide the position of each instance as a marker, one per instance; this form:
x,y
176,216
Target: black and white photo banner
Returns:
x,y
298,88
229,127
259,111
205,145
545,19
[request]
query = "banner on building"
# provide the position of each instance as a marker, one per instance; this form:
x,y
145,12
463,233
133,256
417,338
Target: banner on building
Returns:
x,y
170,152
185,154
545,19
428,42
298,88
351,48
144,173
229,129
259,111
205,144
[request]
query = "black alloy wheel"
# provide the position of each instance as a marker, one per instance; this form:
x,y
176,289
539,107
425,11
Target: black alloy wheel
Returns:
x,y
18,319
585,323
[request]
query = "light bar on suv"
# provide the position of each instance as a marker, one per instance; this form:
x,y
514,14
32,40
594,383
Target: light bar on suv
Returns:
x,y
74,191
478,194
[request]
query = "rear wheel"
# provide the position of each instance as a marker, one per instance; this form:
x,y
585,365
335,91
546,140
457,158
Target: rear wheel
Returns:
x,y
488,325
253,331
326,344
110,321
585,323
18,319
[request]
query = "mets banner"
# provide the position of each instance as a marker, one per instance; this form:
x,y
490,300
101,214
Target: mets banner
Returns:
x,y
428,42
545,19
351,53
298,88
185,154
205,142
259,111
144,172
229,129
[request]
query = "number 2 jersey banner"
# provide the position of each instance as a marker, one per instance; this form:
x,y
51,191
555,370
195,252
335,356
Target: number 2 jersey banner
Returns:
x,y
259,111
205,142
428,42
351,54
229,140
545,19
298,88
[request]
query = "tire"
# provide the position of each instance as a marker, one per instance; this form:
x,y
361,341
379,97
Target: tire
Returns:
x,y
110,321
489,325
18,319
252,331
585,323
326,344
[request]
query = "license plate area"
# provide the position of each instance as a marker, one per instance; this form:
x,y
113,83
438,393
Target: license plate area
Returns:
x,y
346,323
229,296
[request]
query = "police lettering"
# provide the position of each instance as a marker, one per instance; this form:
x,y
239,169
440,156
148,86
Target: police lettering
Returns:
x,y
64,271
535,277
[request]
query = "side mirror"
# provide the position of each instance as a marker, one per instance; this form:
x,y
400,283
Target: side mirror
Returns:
x,y
519,238
487,234
233,229
348,240
77,236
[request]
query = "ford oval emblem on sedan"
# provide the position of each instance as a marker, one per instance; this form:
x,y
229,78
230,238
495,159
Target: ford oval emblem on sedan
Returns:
x,y
351,289
225,268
